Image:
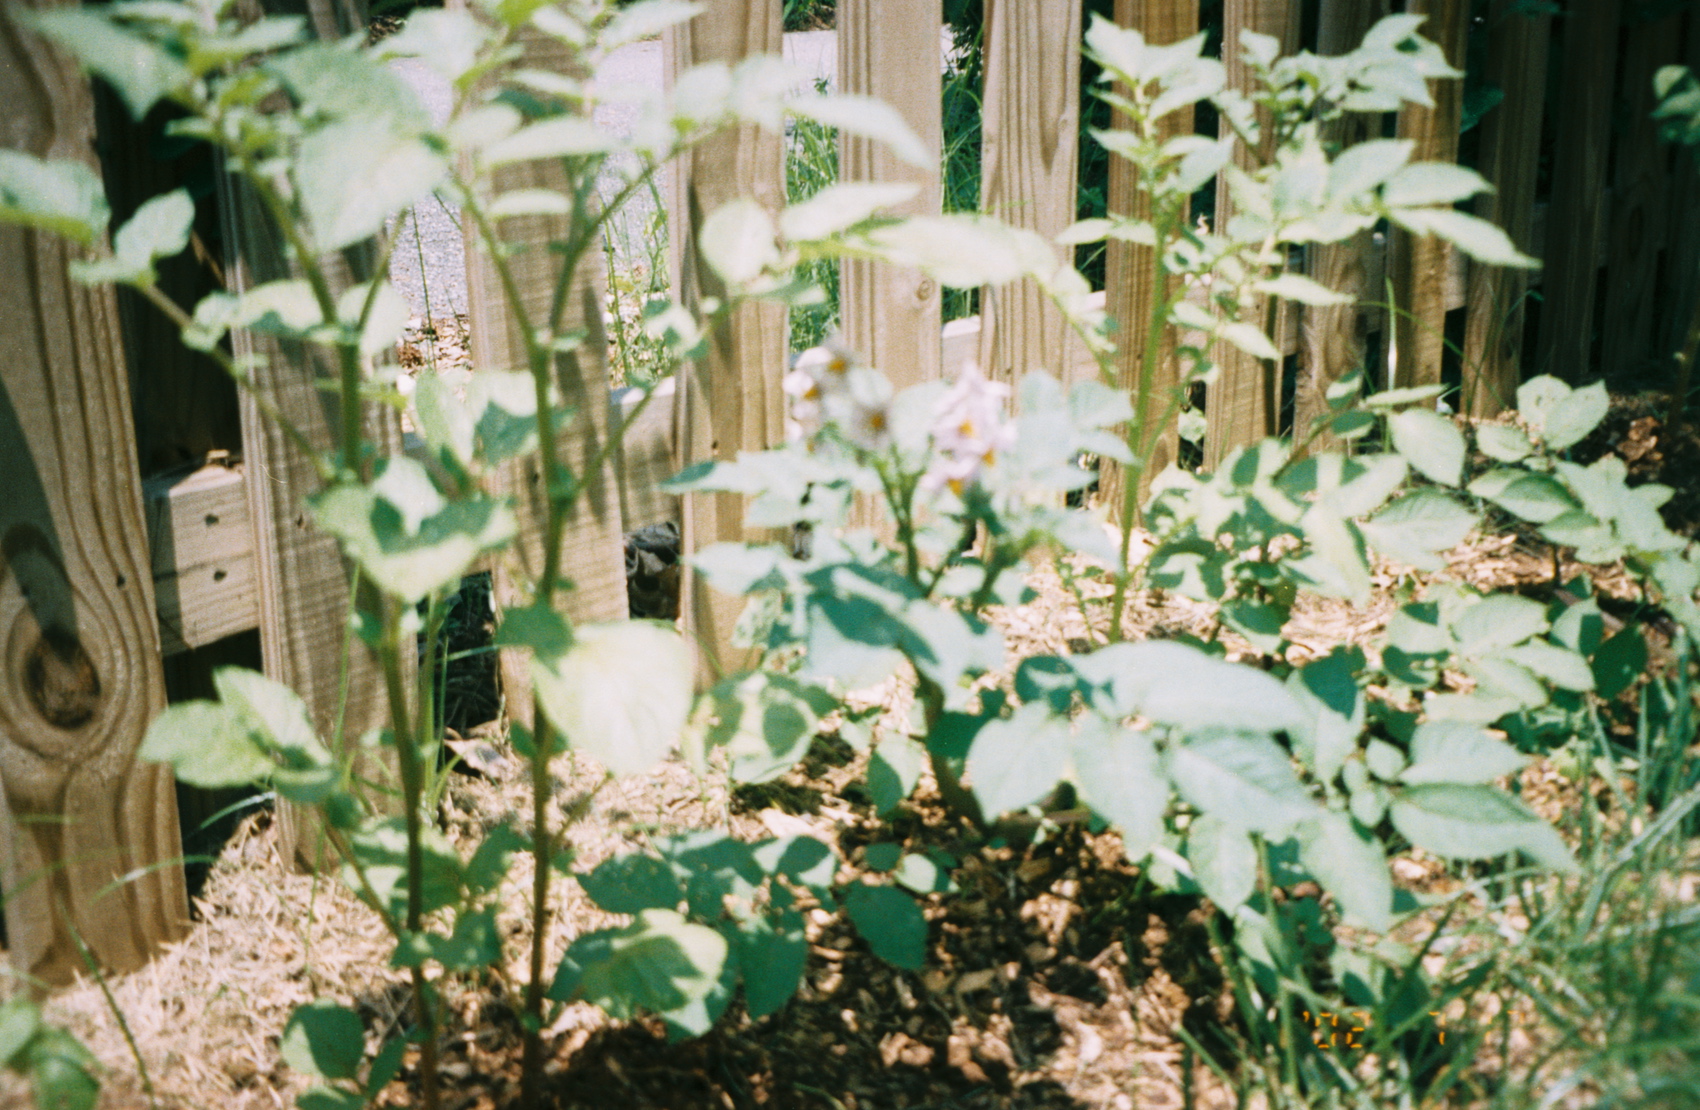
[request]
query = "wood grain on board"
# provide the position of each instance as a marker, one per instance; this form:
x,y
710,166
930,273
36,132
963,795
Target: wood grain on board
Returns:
x,y
303,583
891,51
1417,265
1510,160
1640,186
1244,401
1030,128
1579,211
592,555
1129,268
87,832
730,400
1332,336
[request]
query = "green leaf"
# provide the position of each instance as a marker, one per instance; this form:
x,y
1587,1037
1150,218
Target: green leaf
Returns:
x,y
771,959
1498,621
1244,779
838,208
1433,183
1432,443
328,1098
207,745
776,720
1224,861
536,628
1327,688
159,229
1476,822
893,771
964,251
738,241
658,964
646,20
354,174
381,849
1258,621
1297,287
632,883
407,536
1416,527
1017,761
867,118
61,1071
558,137
142,72
1560,666
1619,662
1384,760
925,874
621,693
1176,685
19,1019
1250,339
1564,420
1118,774
1458,752
385,321
1364,166
324,1040
1350,866
1503,442
1477,238
61,196
891,922
1533,497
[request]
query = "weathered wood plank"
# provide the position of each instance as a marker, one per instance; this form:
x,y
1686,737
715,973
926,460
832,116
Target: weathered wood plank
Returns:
x,y
1679,268
1129,275
1640,179
1029,160
1244,402
646,457
591,553
1578,211
303,582
1510,160
1417,265
891,51
202,542
81,678
1332,337
731,400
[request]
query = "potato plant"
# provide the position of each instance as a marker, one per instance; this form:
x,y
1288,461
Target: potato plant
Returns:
x,y
1225,777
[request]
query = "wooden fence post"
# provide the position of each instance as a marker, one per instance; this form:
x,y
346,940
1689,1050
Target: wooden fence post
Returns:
x,y
1577,213
1418,265
82,675
592,554
1245,401
1030,130
1640,183
730,400
303,581
1128,289
892,51
1679,271
1510,160
1331,343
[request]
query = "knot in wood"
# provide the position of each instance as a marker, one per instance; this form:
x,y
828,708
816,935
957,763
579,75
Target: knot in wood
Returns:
x,y
60,679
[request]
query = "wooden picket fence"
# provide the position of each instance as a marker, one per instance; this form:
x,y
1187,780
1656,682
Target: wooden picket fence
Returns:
x,y
131,569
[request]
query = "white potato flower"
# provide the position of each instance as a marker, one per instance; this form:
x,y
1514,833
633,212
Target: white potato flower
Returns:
x,y
969,431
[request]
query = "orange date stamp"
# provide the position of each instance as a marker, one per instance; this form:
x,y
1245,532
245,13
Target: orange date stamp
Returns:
x,y
1327,1028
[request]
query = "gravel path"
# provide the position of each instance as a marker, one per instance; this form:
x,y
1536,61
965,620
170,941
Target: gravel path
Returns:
x,y
429,262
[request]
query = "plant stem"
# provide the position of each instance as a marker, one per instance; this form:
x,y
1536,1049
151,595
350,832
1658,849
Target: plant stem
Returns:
x,y
408,743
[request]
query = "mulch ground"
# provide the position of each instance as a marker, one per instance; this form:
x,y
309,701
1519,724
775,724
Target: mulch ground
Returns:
x,y
1055,978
